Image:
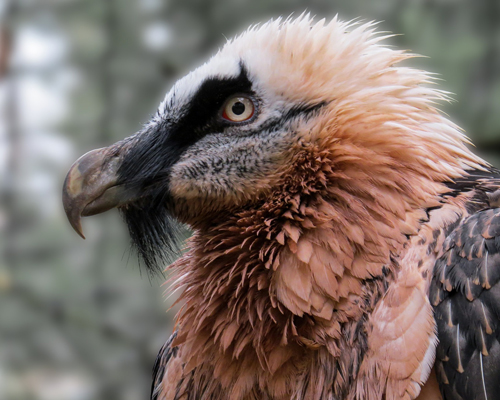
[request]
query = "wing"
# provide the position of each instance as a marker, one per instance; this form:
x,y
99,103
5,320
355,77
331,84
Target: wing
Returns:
x,y
166,356
465,293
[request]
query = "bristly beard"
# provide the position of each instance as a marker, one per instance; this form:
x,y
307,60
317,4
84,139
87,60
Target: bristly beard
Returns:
x,y
145,169
154,233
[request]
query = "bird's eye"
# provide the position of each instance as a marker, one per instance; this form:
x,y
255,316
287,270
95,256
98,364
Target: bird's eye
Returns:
x,y
238,109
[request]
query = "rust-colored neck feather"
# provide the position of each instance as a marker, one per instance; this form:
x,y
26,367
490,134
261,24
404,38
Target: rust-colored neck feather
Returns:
x,y
281,286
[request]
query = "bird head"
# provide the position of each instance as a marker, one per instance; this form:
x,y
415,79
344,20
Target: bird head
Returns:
x,y
254,120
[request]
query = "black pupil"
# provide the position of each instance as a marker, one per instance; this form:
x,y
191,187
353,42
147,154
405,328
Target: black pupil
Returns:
x,y
238,108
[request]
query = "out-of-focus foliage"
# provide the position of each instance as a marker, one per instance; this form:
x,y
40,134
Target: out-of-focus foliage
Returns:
x,y
77,319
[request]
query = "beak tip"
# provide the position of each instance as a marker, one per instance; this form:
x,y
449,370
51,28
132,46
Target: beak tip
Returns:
x,y
79,230
75,220
72,209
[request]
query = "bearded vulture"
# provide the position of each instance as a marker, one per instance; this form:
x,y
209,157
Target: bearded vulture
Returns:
x,y
346,241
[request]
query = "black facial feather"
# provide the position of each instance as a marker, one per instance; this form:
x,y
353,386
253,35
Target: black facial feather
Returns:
x,y
202,116
154,233
152,153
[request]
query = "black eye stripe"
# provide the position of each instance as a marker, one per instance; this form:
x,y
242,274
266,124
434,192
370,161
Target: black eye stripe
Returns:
x,y
203,110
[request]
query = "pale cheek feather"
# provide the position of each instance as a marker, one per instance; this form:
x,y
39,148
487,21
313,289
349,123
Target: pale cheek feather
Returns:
x,y
230,172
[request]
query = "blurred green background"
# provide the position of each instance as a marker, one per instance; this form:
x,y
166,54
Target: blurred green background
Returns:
x,y
78,320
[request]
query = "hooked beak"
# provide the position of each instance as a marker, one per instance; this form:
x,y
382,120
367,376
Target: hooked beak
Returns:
x,y
92,186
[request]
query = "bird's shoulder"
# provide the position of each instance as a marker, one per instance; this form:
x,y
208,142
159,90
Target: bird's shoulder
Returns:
x,y
465,294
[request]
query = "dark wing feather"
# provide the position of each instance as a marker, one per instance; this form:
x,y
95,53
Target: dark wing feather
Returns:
x,y
465,293
167,352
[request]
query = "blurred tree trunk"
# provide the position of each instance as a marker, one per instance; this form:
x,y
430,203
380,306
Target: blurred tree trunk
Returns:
x,y
14,154
487,69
